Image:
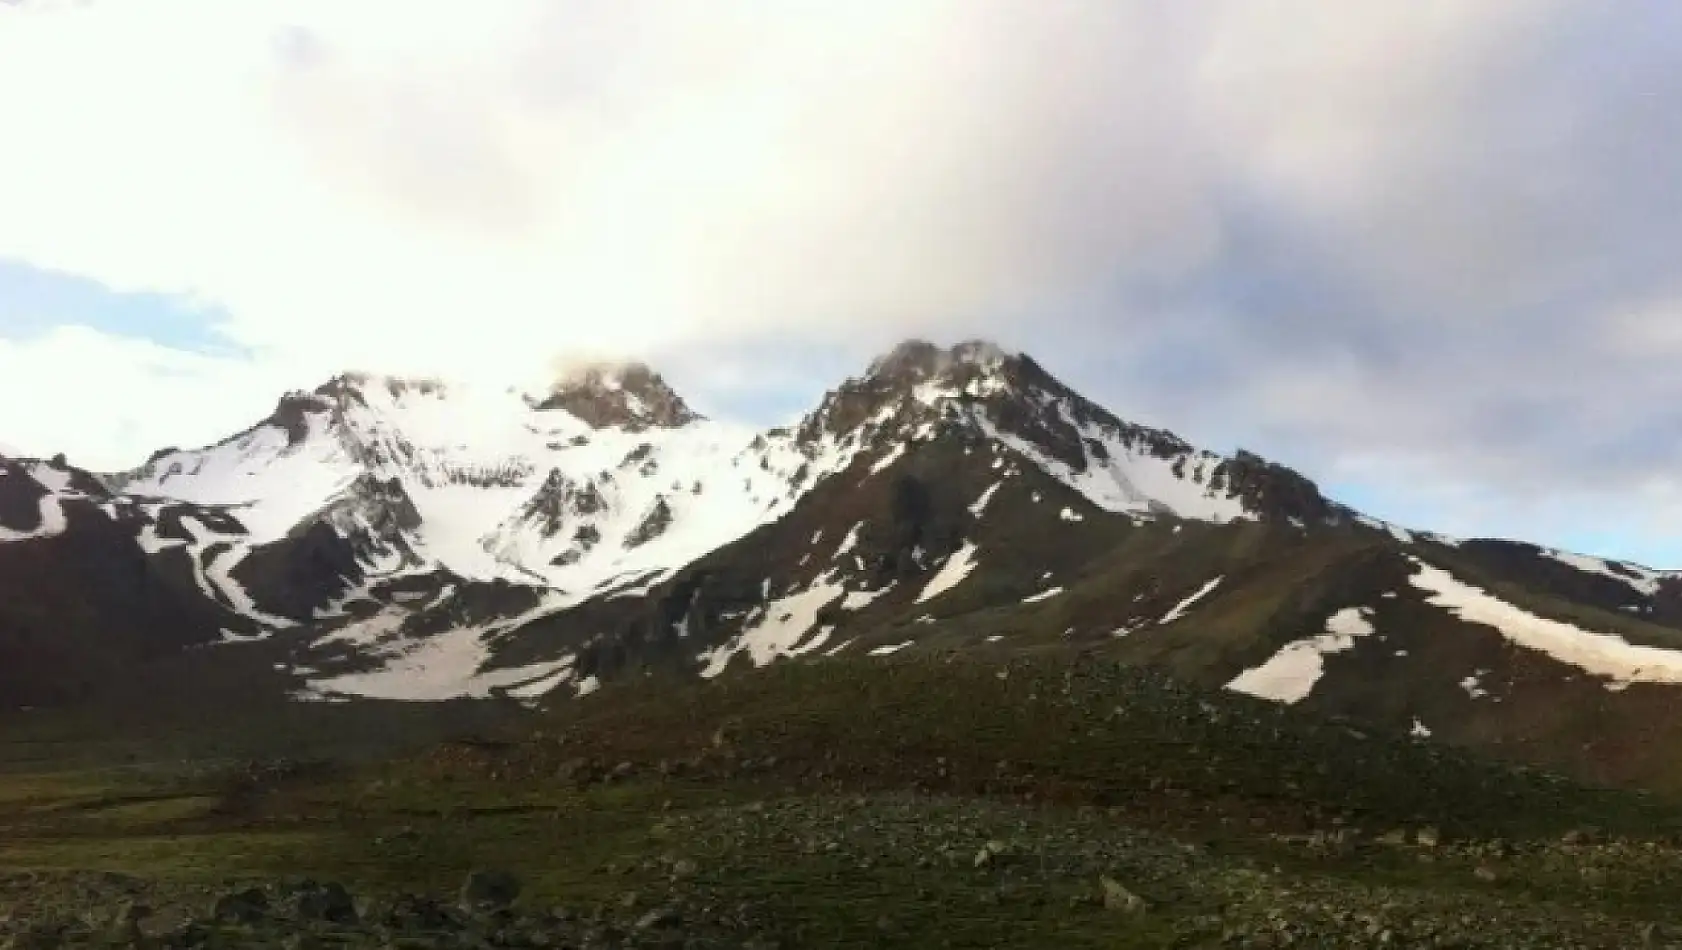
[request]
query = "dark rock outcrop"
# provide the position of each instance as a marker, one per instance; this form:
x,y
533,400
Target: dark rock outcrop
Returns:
x,y
629,396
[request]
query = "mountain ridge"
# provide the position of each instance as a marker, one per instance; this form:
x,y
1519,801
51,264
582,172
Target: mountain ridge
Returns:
x,y
415,540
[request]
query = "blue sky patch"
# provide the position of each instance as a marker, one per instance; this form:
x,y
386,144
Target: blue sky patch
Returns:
x,y
33,301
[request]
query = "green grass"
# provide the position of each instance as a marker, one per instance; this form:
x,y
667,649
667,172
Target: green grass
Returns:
x,y
843,804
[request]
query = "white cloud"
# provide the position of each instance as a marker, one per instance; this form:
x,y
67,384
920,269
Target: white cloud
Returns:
x,y
108,401
436,189
1421,204
459,191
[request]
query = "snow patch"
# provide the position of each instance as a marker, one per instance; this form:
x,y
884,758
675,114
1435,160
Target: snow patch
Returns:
x,y
1396,531
53,522
893,455
53,479
986,496
1601,654
1042,595
220,573
1123,477
1069,514
638,586
439,667
1351,623
1647,583
951,574
775,633
1290,674
1471,685
545,684
1185,605
849,542
891,649
860,599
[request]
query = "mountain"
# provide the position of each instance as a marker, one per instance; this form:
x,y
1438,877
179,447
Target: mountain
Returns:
x,y
416,539
608,475
92,583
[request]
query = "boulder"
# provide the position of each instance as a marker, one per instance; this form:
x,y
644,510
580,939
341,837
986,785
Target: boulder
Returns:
x,y
329,902
489,890
242,907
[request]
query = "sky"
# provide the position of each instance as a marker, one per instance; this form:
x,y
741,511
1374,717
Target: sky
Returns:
x,y
1425,252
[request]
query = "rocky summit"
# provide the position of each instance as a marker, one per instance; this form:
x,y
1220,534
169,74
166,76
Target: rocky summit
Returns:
x,y
629,396
410,662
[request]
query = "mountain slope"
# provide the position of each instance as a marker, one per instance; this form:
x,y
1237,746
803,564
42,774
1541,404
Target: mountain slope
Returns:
x,y
91,584
936,440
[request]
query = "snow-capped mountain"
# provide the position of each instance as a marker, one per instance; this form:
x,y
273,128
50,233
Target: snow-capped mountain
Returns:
x,y
979,392
365,512
415,539
608,477
611,479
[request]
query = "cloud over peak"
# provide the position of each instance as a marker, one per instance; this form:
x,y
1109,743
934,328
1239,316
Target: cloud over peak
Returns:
x,y
1428,236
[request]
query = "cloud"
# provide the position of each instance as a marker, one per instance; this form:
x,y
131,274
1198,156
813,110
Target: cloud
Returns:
x,y
563,174
1426,237
105,400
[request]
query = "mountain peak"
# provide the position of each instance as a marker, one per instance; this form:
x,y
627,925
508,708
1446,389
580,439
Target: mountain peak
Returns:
x,y
606,373
915,382
917,359
625,394
396,385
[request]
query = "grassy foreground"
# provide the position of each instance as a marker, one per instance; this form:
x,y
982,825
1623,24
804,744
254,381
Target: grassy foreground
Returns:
x,y
924,803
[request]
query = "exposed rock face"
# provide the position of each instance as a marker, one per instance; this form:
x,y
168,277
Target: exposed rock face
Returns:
x,y
979,392
1667,603
562,501
548,508
1272,490
294,410
629,396
381,506
299,574
653,524
20,497
81,608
